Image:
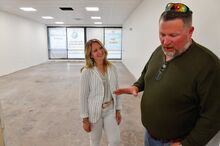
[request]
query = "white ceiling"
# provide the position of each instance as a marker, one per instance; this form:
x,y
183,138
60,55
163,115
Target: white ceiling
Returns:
x,y
112,12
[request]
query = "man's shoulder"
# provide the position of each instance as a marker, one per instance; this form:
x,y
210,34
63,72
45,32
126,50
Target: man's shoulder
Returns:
x,y
205,53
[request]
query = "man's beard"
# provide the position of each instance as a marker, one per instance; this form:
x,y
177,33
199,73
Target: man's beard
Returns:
x,y
170,54
176,52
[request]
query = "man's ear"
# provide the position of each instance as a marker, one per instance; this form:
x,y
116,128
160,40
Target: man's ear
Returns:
x,y
191,30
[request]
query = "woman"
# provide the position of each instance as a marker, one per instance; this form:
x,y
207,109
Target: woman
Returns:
x,y
99,108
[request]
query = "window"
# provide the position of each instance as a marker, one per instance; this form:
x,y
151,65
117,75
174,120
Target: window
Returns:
x,y
76,42
113,42
95,33
69,42
57,43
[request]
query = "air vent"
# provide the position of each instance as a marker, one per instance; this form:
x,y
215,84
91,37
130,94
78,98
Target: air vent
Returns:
x,y
78,19
66,8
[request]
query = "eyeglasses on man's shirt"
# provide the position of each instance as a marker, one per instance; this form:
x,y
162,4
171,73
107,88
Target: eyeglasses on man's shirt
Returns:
x,y
177,7
161,70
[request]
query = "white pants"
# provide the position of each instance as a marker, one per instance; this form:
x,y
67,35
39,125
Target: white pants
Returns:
x,y
107,122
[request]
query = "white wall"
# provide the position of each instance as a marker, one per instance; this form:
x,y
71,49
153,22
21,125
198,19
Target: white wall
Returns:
x,y
140,31
141,36
23,43
207,23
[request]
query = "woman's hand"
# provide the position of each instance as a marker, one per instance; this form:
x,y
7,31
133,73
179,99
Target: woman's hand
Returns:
x,y
118,116
87,125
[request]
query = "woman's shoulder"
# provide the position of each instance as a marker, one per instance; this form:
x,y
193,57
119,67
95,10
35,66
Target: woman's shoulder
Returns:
x,y
86,70
112,66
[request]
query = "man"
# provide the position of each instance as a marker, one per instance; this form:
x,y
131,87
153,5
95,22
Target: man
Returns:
x,y
180,105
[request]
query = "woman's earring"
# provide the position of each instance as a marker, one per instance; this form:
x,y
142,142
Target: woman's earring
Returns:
x,y
91,61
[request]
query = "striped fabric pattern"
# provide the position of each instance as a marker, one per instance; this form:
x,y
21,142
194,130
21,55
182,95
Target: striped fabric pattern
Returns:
x,y
92,92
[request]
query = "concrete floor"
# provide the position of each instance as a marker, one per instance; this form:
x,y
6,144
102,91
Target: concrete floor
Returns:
x,y
40,107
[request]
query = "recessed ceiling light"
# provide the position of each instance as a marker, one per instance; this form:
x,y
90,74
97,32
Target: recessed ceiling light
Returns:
x,y
59,22
92,9
28,9
95,17
97,22
47,17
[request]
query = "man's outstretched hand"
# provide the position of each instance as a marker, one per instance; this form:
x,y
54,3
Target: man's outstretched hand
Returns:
x,y
130,90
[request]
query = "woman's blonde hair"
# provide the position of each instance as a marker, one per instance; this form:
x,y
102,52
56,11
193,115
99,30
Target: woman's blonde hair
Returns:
x,y
89,61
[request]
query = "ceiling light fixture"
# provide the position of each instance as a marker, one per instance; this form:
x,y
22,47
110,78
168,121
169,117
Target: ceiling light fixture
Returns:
x,y
59,22
95,17
28,9
97,22
92,9
47,17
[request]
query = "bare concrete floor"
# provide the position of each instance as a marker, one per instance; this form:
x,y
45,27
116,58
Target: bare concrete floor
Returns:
x,y
40,107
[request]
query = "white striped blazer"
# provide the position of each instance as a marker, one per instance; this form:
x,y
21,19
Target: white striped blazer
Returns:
x,y
92,92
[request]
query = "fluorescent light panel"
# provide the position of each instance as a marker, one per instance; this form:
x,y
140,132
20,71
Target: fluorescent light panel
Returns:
x,y
97,22
28,9
92,9
47,17
59,22
95,17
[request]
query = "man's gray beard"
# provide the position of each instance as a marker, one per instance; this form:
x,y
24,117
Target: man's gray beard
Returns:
x,y
175,53
170,54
